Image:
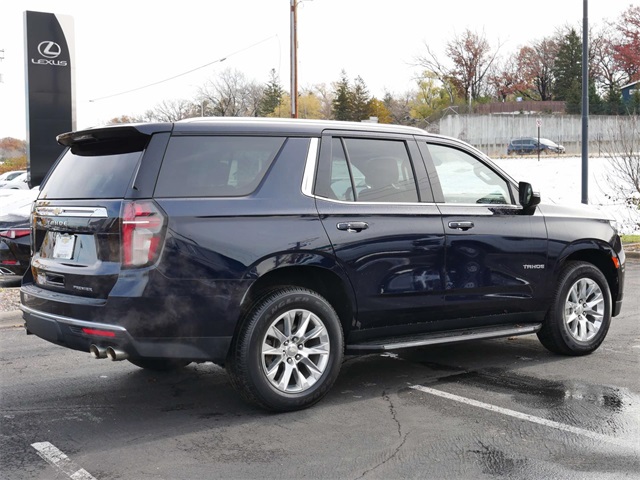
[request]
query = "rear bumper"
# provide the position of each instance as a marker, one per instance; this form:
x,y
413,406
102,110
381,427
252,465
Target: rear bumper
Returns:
x,y
72,333
9,278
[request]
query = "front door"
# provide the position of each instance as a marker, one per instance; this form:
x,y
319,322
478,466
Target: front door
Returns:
x,y
496,254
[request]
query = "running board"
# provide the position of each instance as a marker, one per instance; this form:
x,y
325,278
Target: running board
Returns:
x,y
441,338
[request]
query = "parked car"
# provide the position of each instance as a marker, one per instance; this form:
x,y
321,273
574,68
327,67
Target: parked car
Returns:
x,y
19,182
15,235
15,248
528,145
8,176
273,247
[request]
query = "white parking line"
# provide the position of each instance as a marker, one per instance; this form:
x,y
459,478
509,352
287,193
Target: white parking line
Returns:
x,y
60,461
529,418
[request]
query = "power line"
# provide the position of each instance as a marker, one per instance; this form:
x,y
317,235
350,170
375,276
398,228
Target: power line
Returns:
x,y
220,60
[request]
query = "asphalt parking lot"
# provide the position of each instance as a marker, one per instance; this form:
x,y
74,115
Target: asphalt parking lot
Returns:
x,y
491,409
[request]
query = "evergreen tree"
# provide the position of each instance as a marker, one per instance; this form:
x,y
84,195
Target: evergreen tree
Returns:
x,y
342,108
613,101
567,70
596,105
271,95
573,97
633,108
360,99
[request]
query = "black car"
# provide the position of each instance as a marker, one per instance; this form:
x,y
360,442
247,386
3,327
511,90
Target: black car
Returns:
x,y
528,145
15,248
15,235
274,247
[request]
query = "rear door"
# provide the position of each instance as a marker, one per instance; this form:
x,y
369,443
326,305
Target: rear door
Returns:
x,y
77,217
376,206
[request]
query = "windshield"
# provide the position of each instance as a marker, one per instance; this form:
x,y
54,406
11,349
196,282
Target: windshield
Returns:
x,y
91,175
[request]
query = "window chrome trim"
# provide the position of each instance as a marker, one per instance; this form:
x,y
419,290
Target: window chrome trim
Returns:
x,y
86,212
347,202
486,205
310,167
439,204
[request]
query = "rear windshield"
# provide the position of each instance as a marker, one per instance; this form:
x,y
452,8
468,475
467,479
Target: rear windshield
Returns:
x,y
91,175
215,166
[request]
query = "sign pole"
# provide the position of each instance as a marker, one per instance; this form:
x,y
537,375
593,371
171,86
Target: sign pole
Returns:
x,y
539,124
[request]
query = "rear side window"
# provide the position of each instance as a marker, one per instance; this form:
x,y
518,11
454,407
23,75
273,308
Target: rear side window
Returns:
x,y
94,173
368,170
215,166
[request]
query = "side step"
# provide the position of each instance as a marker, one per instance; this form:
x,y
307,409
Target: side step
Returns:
x,y
441,338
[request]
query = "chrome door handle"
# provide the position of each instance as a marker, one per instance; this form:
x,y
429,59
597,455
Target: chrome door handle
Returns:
x,y
352,226
461,225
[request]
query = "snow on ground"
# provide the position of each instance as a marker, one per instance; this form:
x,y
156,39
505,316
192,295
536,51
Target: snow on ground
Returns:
x,y
559,179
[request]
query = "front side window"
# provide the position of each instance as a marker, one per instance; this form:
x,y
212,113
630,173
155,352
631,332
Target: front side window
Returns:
x,y
215,166
465,179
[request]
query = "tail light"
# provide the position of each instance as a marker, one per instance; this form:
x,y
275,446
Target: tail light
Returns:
x,y
15,233
142,233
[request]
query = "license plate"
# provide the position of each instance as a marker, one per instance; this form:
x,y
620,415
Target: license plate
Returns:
x,y
63,247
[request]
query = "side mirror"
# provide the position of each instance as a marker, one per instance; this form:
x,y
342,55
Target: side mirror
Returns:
x,y
528,198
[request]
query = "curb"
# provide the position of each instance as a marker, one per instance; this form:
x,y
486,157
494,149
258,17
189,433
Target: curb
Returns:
x,y
11,319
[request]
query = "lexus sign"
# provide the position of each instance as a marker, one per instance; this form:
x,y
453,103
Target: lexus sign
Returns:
x,y
50,87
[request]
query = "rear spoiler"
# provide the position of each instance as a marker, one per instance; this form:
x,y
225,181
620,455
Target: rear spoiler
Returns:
x,y
129,132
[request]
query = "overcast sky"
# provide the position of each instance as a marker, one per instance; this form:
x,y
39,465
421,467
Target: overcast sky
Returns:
x,y
121,45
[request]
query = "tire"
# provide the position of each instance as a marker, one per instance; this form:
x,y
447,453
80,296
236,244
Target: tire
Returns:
x,y
580,315
159,364
288,352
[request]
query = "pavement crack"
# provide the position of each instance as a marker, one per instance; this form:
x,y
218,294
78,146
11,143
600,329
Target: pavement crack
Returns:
x,y
392,410
394,417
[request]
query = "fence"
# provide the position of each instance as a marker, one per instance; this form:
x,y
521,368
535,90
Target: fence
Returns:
x,y
492,133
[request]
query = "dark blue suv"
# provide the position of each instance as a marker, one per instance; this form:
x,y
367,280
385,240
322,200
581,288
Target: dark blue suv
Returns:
x,y
274,247
528,145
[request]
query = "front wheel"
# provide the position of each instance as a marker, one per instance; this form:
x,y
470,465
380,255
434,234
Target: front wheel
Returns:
x,y
580,315
288,352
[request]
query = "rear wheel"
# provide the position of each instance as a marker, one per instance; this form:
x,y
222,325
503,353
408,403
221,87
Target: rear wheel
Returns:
x,y
579,318
289,351
159,364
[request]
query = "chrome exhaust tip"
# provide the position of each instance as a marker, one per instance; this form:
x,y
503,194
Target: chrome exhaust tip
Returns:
x,y
115,354
97,351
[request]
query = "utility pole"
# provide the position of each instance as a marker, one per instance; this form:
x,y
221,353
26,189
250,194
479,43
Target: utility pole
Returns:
x,y
294,59
585,104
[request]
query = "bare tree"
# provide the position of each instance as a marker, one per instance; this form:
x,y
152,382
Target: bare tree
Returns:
x,y
126,119
431,63
507,79
399,107
231,95
536,64
606,66
623,152
472,58
170,111
326,97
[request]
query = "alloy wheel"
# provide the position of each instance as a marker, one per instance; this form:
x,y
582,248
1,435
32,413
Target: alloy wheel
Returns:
x,y
584,309
295,351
